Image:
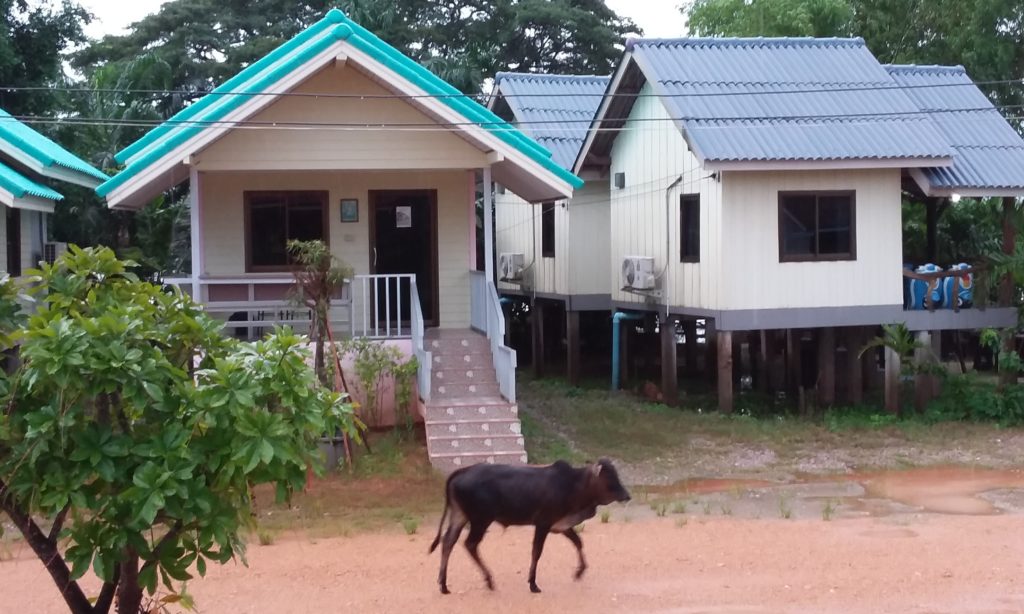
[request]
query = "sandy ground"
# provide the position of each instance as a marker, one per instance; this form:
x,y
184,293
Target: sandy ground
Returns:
x,y
910,564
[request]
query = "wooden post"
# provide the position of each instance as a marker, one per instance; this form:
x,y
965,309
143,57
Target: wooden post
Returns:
x,y
1008,377
937,354
572,347
669,372
827,367
690,333
923,381
725,388
854,366
710,350
738,365
537,321
892,381
506,310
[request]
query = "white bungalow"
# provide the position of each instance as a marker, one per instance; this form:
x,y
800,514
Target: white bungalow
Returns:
x,y
556,256
757,184
30,165
337,136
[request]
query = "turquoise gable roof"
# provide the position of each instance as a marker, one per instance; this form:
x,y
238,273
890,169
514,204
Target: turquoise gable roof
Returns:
x,y
261,75
41,149
21,186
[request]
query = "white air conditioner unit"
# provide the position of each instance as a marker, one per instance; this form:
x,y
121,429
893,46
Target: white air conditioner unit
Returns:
x,y
638,272
510,266
53,250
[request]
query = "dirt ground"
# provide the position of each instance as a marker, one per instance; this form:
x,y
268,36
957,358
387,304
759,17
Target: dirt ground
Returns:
x,y
918,564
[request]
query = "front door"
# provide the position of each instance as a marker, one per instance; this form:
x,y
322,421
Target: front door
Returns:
x,y
403,239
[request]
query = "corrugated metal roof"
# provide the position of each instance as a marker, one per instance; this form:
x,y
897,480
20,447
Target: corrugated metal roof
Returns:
x,y
834,100
15,134
564,104
989,154
21,186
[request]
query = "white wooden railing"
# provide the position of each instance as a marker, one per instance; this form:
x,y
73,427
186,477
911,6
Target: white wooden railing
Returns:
x,y
423,358
381,307
487,317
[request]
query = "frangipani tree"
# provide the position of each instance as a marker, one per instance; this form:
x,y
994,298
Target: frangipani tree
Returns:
x,y
133,428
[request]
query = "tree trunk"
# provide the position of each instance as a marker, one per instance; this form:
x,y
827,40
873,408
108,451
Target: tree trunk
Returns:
x,y
129,592
46,550
1006,299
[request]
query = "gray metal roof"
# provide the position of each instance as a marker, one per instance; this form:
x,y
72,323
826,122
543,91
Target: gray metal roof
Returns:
x,y
786,99
989,154
553,109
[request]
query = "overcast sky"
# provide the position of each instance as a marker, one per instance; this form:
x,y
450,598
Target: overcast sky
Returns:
x,y
658,18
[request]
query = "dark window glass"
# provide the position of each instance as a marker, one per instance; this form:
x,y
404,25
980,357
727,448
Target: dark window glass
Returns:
x,y
689,228
816,226
547,230
278,217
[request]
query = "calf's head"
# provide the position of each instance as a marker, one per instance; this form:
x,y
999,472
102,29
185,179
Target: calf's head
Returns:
x,y
606,484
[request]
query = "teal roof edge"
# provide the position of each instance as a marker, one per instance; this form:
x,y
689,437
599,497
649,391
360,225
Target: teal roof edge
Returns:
x,y
21,186
334,16
302,49
40,155
188,131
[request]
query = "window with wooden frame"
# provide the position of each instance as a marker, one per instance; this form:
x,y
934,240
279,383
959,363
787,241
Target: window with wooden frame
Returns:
x,y
689,228
547,230
817,226
274,218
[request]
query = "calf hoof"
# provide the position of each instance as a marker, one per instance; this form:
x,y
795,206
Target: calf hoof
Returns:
x,y
444,590
490,584
579,573
534,588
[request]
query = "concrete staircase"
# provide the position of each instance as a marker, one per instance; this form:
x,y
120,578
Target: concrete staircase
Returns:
x,y
467,420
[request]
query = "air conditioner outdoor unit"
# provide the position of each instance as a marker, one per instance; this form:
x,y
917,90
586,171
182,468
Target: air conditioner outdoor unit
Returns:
x,y
638,272
53,250
510,266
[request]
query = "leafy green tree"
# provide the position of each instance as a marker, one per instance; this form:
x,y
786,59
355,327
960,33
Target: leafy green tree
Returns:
x,y
136,429
33,38
770,18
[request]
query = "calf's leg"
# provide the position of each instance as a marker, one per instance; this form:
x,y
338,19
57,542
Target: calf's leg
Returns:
x,y
539,535
576,541
450,537
476,535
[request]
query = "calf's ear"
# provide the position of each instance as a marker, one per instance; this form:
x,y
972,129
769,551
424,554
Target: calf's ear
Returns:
x,y
596,469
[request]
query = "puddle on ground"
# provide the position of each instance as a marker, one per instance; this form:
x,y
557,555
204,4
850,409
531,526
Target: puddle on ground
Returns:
x,y
941,490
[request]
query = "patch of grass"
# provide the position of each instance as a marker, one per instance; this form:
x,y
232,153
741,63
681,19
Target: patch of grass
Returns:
x,y
679,507
543,445
785,507
410,525
726,508
266,538
606,515
661,509
828,510
389,451
627,518
707,508
681,522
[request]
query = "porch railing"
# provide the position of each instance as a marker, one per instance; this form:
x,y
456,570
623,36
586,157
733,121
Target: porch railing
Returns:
x,y
487,317
382,306
423,357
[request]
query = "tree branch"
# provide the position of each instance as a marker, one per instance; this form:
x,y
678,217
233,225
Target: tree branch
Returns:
x,y
46,551
58,523
167,539
106,598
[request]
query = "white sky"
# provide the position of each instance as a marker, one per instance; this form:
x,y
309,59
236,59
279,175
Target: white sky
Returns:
x,y
658,18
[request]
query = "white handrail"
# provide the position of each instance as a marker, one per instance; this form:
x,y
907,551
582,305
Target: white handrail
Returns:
x,y
424,358
487,317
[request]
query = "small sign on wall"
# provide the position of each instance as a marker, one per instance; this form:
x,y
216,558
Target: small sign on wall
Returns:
x,y
403,216
349,210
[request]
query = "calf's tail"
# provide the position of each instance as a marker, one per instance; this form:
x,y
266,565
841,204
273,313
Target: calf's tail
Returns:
x,y
444,513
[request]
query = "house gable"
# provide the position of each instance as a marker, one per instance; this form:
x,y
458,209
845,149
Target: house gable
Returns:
x,y
155,162
353,142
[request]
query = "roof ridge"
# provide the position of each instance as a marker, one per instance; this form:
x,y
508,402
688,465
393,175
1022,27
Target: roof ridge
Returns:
x,y
753,41
931,68
552,76
888,82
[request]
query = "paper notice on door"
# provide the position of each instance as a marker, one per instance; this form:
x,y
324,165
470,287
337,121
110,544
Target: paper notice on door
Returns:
x,y
403,216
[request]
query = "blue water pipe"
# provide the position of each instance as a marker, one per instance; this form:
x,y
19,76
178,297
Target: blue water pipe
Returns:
x,y
617,317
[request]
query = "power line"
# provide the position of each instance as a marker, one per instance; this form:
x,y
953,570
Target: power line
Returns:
x,y
766,92
493,125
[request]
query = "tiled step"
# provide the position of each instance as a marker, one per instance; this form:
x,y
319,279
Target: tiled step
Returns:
x,y
443,391
460,374
471,409
448,462
475,344
495,426
484,444
460,359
